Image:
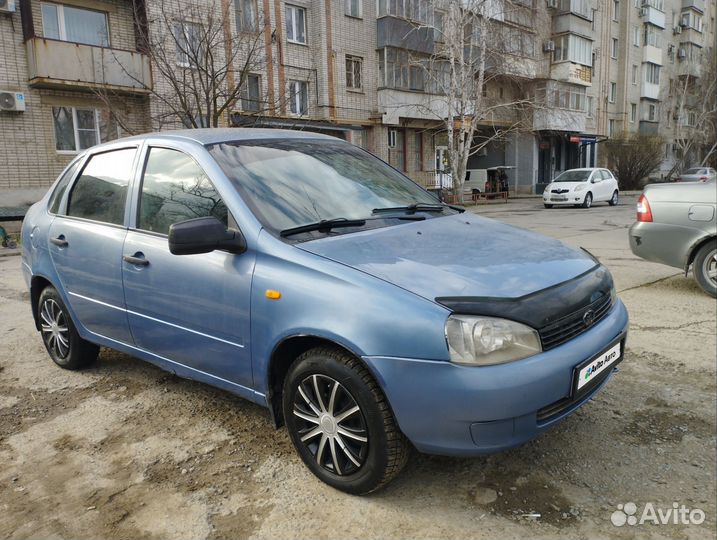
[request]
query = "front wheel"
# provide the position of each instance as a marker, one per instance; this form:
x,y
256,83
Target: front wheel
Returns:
x,y
613,199
588,202
340,422
704,268
64,345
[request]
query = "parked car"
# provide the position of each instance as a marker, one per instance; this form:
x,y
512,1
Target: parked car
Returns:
x,y
698,174
306,275
676,226
582,187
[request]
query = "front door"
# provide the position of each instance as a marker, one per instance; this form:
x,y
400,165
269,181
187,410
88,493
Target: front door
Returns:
x,y
189,309
444,179
86,244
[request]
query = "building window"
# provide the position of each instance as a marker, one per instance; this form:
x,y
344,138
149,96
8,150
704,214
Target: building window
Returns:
x,y
653,35
78,25
611,127
392,138
77,129
414,10
652,112
691,20
636,36
634,73
613,52
353,8
354,66
652,73
396,151
251,94
246,15
589,106
615,9
419,151
187,38
573,48
295,24
584,8
613,92
633,112
299,97
657,4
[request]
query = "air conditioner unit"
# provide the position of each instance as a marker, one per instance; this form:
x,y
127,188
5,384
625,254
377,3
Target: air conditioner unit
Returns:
x,y
681,53
677,30
549,46
552,4
12,101
7,6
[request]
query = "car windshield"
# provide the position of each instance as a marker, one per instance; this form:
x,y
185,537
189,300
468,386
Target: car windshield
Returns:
x,y
289,183
573,176
692,171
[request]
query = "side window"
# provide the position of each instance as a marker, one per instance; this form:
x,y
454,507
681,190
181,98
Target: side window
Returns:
x,y
175,188
56,198
606,174
100,192
596,176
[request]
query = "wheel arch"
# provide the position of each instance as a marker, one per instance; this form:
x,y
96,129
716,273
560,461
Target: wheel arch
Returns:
x,y
695,248
38,284
283,356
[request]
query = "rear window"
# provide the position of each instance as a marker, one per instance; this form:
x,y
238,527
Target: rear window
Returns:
x,y
100,192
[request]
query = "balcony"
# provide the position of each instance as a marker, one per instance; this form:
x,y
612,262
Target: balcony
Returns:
x,y
652,54
689,69
698,5
571,73
568,22
402,34
690,35
653,16
65,65
395,104
648,128
650,91
552,119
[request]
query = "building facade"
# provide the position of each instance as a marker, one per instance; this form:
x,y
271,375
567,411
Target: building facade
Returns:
x,y
74,73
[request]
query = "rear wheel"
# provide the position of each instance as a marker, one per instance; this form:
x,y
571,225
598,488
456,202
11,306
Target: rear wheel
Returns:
x,y
588,202
705,268
340,422
64,345
613,199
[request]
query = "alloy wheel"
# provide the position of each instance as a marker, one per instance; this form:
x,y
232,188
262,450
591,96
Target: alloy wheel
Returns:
x,y
331,425
55,331
709,266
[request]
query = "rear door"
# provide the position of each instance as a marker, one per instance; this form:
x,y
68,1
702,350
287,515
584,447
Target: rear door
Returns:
x,y
190,309
85,243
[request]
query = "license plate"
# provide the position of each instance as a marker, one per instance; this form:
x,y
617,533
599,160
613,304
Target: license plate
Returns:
x,y
558,198
590,371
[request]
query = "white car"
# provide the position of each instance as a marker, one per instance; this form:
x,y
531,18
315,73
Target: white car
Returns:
x,y
582,187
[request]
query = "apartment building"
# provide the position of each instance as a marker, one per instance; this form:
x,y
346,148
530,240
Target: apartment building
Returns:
x,y
592,69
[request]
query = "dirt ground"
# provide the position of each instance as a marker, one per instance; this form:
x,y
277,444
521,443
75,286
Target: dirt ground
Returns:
x,y
124,450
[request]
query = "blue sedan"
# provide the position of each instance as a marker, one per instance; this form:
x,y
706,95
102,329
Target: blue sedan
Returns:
x,y
306,275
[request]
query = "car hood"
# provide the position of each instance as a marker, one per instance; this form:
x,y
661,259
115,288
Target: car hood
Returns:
x,y
458,255
565,185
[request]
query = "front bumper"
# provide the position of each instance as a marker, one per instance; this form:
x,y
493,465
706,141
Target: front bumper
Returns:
x,y
448,409
570,198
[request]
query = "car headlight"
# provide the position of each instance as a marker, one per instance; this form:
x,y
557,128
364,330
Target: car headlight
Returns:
x,y
482,341
580,187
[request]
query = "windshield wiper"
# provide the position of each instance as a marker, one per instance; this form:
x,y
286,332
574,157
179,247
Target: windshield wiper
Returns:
x,y
325,225
416,207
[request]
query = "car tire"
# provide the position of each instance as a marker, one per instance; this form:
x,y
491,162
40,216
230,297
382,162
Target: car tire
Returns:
x,y
588,202
64,345
358,453
704,268
548,205
614,199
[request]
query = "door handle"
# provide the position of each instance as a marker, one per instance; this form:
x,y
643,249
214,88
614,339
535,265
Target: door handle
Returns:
x,y
59,241
134,259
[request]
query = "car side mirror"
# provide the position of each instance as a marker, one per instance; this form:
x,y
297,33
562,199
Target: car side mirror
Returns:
x,y
204,235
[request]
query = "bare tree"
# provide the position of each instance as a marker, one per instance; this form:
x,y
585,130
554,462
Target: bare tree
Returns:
x,y
693,104
633,157
473,47
200,60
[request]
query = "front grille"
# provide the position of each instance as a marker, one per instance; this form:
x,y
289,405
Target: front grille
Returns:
x,y
574,324
559,190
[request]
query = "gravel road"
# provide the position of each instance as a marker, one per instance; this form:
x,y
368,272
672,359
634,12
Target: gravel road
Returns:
x,y
125,450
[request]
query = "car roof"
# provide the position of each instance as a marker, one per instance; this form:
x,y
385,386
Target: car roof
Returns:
x,y
206,136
